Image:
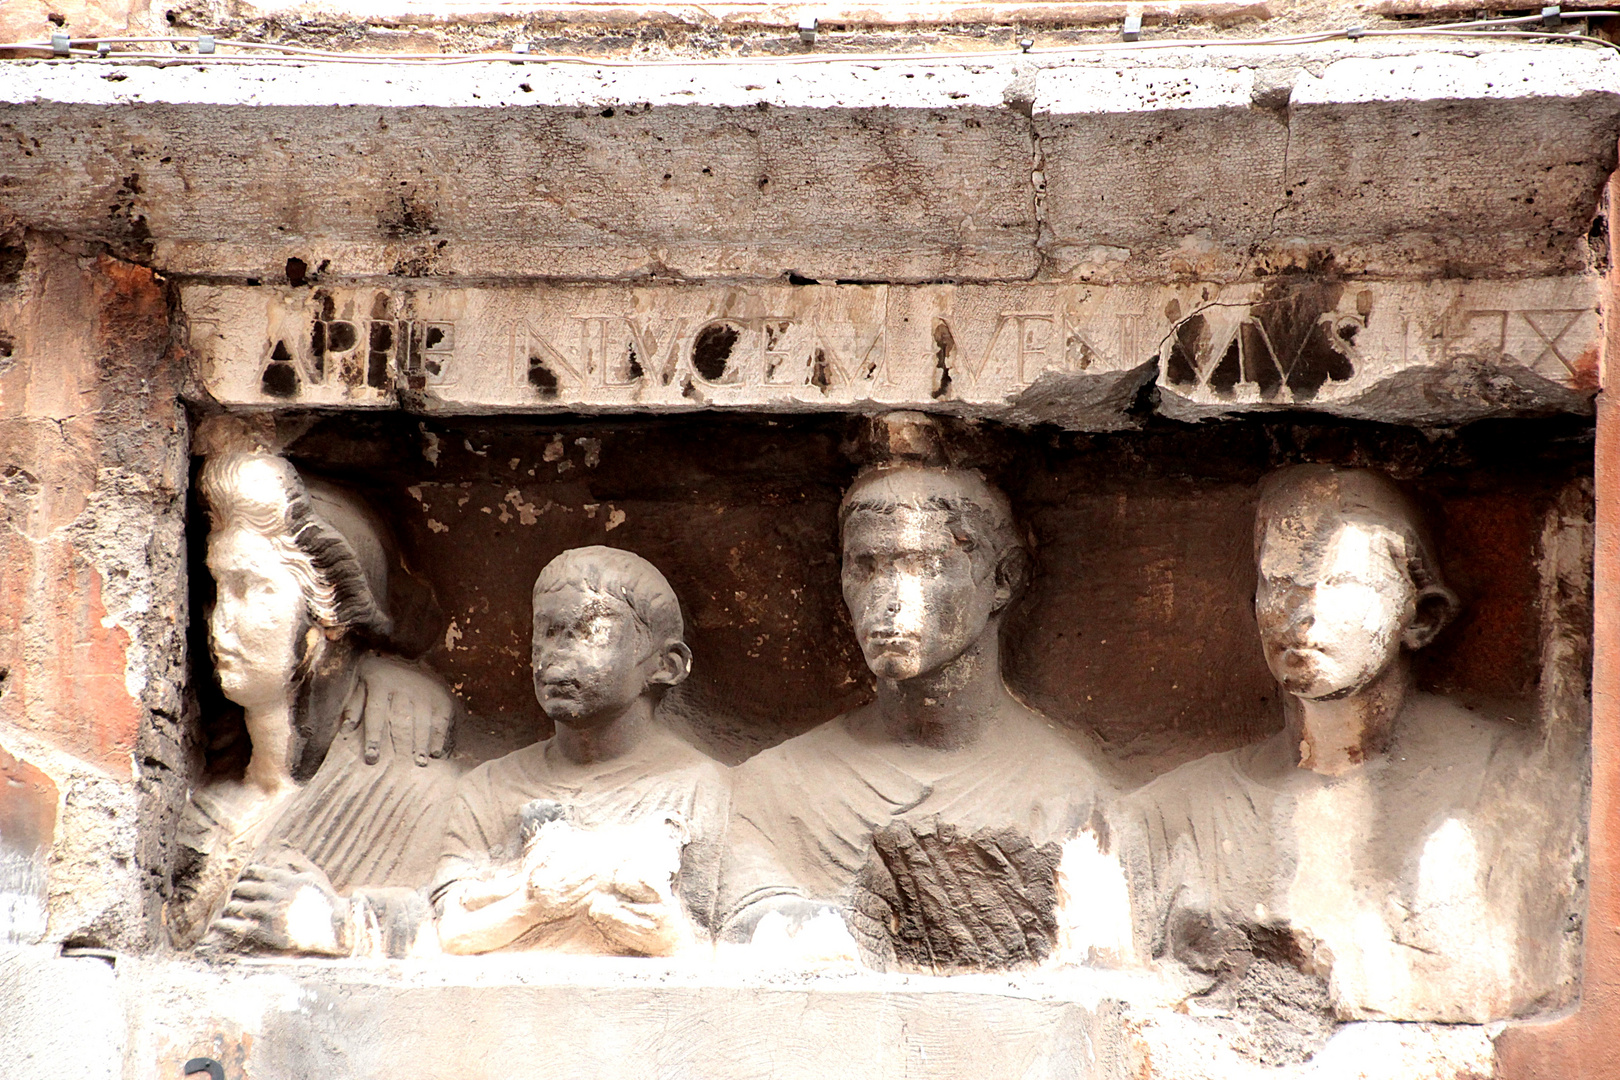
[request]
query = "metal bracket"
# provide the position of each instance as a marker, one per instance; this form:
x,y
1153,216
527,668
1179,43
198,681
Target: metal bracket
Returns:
x,y
208,1065
205,44
60,43
1026,44
1132,31
808,26
1552,17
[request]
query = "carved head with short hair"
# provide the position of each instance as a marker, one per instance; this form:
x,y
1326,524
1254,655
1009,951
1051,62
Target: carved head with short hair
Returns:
x,y
1348,579
607,629
931,558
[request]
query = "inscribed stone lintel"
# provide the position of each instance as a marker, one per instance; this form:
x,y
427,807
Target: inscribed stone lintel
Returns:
x,y
1443,351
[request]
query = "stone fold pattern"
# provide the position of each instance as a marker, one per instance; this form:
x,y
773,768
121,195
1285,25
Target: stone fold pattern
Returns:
x,y
1075,355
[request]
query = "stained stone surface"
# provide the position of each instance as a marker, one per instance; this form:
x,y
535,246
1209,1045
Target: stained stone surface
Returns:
x,y
528,1016
1440,352
1470,158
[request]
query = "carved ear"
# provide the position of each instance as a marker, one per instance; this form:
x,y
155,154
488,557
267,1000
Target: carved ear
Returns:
x,y
1012,575
674,665
1436,607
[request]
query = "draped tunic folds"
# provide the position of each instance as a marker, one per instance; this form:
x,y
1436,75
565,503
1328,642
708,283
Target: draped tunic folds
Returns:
x,y
365,826
804,811
659,775
1415,878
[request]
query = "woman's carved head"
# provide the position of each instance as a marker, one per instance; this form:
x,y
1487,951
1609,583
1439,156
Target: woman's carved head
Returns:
x,y
296,565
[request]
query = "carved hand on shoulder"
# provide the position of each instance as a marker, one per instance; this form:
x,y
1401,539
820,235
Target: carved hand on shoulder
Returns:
x,y
404,704
288,906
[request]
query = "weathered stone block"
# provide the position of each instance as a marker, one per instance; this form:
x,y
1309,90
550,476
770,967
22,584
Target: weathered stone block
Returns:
x,y
866,173
1476,166
1164,171
548,1018
1199,164
1442,352
1431,353
27,826
92,588
63,1015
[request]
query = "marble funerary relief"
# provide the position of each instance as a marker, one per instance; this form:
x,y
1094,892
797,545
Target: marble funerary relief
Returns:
x,y
1074,355
444,764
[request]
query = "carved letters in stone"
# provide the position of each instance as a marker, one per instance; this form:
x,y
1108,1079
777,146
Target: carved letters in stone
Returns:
x,y
1071,354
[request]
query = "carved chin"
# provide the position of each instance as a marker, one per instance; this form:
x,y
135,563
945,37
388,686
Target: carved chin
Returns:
x,y
896,666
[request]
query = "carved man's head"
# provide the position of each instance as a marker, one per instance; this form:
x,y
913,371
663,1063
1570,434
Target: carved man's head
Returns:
x,y
607,629
1347,579
932,556
296,565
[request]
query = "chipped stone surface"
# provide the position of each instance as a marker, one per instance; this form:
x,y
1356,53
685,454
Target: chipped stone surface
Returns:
x,y
92,594
1097,167
63,1015
1432,353
27,826
643,1018
1442,352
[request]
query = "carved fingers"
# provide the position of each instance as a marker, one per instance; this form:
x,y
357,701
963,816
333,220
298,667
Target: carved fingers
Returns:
x,y
651,928
399,702
282,908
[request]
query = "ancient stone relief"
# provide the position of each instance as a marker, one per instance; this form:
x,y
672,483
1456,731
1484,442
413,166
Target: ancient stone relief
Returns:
x,y
348,784
1379,856
603,838
931,819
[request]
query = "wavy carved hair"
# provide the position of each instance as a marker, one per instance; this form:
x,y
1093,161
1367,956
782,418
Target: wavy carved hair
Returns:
x,y
264,494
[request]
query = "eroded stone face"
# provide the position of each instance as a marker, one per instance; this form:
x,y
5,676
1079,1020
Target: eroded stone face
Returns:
x,y
1365,853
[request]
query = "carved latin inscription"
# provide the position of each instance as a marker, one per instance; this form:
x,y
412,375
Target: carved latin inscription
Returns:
x,y
1073,354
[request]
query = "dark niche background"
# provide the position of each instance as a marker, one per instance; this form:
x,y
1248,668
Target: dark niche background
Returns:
x,y
1138,626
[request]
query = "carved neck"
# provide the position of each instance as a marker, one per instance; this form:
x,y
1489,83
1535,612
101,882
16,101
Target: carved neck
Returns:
x,y
1334,737
270,729
949,708
604,742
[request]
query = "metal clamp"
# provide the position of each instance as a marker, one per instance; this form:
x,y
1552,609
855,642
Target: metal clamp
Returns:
x,y
1552,17
1132,30
205,44
60,43
214,1069
808,26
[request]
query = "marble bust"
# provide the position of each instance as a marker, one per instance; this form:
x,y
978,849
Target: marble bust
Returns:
x,y
945,772
603,838
1384,840
347,783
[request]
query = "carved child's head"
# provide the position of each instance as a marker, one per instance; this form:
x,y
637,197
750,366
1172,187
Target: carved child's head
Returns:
x,y
607,629
1347,579
296,566
932,556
